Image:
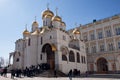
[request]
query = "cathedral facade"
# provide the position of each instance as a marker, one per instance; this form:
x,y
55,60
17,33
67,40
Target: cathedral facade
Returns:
x,y
52,44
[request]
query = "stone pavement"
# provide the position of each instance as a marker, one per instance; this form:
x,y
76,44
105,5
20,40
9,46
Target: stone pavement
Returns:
x,y
58,78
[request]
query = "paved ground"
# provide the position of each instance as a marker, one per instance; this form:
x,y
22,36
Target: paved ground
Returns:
x,y
61,78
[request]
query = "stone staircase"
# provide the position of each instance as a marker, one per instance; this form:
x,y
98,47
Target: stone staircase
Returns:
x,y
50,73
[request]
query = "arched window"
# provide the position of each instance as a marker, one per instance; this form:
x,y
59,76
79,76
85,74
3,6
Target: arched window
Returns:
x,y
17,60
64,53
71,56
78,57
64,58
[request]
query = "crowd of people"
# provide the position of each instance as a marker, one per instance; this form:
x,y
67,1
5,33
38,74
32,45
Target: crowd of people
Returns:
x,y
4,72
74,73
30,71
34,71
27,72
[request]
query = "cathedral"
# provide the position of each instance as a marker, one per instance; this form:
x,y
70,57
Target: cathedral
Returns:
x,y
52,44
93,47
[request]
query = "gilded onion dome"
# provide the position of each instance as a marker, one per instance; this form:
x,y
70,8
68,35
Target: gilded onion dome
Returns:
x,y
26,32
56,18
48,13
63,24
76,31
48,16
35,23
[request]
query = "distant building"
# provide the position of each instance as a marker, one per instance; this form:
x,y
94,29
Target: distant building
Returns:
x,y
62,50
102,41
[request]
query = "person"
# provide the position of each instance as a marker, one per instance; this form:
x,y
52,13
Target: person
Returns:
x,y
86,73
70,74
12,74
5,72
55,73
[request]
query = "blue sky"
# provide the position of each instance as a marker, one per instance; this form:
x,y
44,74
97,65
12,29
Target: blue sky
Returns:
x,y
14,14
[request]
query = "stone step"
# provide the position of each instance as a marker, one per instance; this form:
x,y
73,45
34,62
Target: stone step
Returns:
x,y
50,73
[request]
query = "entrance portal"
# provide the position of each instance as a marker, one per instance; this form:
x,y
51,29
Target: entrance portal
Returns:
x,y
102,66
47,48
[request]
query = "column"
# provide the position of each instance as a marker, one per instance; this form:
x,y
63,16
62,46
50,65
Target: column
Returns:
x,y
104,39
89,43
105,44
112,29
97,49
114,44
113,34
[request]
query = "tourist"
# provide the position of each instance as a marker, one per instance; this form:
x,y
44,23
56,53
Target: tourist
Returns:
x,y
12,74
70,73
55,73
5,72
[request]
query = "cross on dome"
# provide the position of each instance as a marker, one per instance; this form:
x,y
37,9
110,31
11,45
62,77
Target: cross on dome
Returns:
x,y
26,26
47,5
56,11
35,18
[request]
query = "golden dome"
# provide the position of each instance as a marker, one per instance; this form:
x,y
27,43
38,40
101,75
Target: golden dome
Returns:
x,y
76,31
47,12
35,23
26,32
48,16
56,18
63,24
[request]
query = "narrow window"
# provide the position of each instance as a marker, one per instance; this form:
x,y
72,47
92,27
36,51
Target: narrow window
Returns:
x,y
17,60
41,40
119,45
71,56
41,57
50,37
29,42
64,58
78,58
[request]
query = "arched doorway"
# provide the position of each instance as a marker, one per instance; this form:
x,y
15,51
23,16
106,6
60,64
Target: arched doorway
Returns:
x,y
102,66
48,49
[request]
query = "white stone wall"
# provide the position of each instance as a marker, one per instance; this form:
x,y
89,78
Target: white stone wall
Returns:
x,y
102,25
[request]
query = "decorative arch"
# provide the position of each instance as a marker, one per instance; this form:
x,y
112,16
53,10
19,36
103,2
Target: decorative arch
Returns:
x,y
11,55
64,48
49,50
74,44
71,56
64,51
51,46
102,65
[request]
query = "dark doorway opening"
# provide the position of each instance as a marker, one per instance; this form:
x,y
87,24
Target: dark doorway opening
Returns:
x,y
47,48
